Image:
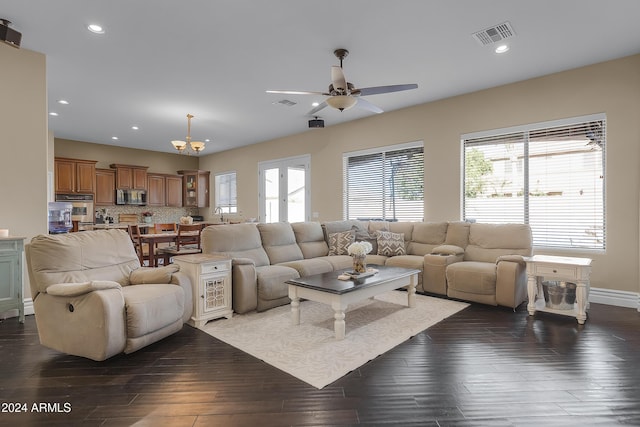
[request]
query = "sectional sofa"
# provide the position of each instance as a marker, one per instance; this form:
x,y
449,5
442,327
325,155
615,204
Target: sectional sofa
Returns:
x,y
476,262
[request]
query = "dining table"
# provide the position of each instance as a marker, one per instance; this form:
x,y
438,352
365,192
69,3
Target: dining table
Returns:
x,y
152,240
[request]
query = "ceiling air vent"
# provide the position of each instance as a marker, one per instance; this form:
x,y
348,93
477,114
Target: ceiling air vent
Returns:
x,y
494,34
285,102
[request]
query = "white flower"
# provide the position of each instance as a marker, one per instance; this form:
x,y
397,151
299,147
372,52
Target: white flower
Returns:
x,y
359,248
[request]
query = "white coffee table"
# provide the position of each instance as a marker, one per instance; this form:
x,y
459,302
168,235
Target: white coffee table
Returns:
x,y
328,289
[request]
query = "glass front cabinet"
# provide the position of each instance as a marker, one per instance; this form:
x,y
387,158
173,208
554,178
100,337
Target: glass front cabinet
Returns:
x,y
195,188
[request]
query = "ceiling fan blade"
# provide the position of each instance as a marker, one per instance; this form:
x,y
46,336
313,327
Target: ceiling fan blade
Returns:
x,y
386,89
364,104
316,109
337,78
297,92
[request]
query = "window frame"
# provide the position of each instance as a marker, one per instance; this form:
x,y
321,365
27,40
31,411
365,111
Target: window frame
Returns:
x,y
382,151
226,208
527,130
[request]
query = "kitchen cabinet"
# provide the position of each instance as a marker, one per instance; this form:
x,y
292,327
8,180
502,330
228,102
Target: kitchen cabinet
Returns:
x,y
130,177
173,190
105,187
74,176
164,190
11,275
195,188
156,190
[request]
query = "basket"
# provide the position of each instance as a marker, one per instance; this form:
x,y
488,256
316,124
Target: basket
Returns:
x,y
559,295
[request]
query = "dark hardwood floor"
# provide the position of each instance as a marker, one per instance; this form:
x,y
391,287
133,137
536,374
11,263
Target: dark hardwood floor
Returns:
x,y
484,366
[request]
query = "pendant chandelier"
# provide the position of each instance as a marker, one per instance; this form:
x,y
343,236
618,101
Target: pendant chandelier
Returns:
x,y
186,147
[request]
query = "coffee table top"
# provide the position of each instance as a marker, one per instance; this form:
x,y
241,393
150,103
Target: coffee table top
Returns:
x,y
329,282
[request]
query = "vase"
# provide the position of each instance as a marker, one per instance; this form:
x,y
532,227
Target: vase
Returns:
x,y
359,263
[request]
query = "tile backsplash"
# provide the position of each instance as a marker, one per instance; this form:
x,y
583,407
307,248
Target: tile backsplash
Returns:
x,y
160,214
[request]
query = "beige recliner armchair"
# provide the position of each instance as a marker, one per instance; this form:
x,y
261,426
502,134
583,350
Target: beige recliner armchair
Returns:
x,y
92,298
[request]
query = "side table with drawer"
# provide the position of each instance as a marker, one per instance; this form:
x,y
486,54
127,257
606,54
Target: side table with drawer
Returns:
x,y
571,269
210,277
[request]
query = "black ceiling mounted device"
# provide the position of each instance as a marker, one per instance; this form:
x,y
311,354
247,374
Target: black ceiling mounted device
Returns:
x,y
9,35
316,123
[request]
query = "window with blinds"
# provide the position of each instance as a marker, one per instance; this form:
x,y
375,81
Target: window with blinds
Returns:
x,y
225,188
385,184
549,175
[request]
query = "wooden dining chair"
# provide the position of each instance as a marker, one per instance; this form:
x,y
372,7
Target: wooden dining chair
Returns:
x,y
167,227
187,242
141,249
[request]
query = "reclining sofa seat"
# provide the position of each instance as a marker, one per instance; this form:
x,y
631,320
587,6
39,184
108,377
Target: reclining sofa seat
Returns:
x,y
92,298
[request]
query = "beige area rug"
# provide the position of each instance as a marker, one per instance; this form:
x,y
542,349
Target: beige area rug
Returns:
x,y
310,352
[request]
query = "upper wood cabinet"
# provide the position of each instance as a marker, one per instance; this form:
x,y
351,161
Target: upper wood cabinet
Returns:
x,y
105,187
130,177
164,190
74,175
195,188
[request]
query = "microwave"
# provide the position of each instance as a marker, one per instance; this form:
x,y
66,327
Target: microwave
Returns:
x,y
131,197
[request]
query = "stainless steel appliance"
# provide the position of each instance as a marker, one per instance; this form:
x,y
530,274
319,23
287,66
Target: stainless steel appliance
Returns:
x,y
82,209
60,217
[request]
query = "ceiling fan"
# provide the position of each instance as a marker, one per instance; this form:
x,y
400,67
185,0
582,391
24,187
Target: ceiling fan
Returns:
x,y
343,95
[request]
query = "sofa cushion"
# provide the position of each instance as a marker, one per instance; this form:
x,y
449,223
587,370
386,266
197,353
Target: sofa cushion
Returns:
x,y
405,228
340,242
339,262
309,267
271,281
235,241
279,242
390,244
359,227
152,307
426,236
489,241
81,257
472,277
310,239
458,233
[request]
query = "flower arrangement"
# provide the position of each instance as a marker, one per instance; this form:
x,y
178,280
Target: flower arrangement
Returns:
x,y
147,213
359,248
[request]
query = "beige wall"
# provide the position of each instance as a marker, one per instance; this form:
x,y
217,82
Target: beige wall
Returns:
x,y
107,154
611,87
23,139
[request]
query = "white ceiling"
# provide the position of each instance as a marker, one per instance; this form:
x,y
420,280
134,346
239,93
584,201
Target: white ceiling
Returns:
x,y
162,59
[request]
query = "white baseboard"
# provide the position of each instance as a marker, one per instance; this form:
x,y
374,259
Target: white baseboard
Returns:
x,y
28,310
616,298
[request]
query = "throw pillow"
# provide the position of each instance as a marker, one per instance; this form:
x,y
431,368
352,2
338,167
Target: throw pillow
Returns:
x,y
390,244
339,242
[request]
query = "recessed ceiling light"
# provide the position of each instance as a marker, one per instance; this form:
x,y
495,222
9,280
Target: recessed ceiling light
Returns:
x,y
135,127
115,138
315,104
95,28
207,140
53,113
63,102
502,48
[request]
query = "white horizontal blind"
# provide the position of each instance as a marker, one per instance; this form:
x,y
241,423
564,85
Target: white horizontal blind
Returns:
x,y
387,184
549,176
226,198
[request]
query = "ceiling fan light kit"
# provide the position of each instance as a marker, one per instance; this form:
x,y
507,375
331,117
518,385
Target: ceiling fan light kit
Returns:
x,y
341,102
342,94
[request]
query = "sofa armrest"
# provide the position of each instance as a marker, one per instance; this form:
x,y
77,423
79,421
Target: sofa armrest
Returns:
x,y
153,275
447,250
511,283
90,325
182,279
77,289
512,258
244,279
434,275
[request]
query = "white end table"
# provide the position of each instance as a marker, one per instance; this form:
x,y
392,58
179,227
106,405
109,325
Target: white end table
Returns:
x,y
210,277
571,269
